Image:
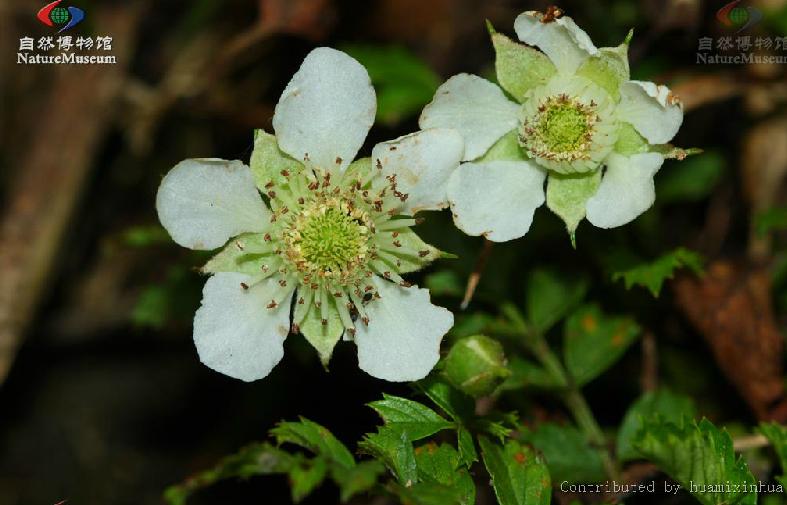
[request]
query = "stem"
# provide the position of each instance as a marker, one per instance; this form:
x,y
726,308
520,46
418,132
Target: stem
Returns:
x,y
475,277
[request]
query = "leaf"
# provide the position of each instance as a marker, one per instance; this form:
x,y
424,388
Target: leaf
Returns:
x,y
392,446
567,196
519,67
455,403
428,493
414,419
466,445
526,373
693,179
770,220
664,403
361,478
441,464
566,452
145,236
404,83
444,283
255,459
652,275
305,479
593,342
700,457
317,439
777,436
551,296
519,476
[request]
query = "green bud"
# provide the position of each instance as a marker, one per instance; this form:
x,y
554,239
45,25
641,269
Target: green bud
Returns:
x,y
476,365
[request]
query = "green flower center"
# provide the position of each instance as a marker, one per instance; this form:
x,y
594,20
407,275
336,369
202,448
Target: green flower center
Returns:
x,y
563,127
331,240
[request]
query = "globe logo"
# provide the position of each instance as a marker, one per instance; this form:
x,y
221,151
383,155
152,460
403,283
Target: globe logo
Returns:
x,y
54,15
733,15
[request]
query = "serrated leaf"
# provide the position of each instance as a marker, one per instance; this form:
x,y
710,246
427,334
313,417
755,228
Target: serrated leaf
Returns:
x,y
440,464
519,476
652,274
466,445
567,453
316,438
393,447
519,67
668,405
305,479
428,493
404,83
414,419
567,195
456,404
551,296
255,459
593,342
701,458
777,436
359,479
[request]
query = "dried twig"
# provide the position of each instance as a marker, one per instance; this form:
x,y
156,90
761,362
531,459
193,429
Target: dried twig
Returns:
x,y
475,277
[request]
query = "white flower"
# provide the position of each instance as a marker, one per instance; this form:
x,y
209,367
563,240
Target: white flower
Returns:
x,y
326,253
576,121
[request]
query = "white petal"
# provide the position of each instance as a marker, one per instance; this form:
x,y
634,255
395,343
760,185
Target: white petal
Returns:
x,y
496,199
402,340
626,191
474,107
566,44
653,110
234,330
422,163
326,110
204,202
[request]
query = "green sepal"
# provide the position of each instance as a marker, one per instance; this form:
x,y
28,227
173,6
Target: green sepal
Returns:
x,y
323,337
411,241
476,365
609,68
567,195
237,256
268,161
630,141
519,68
675,153
358,169
505,149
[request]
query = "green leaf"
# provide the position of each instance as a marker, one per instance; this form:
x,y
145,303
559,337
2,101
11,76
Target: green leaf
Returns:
x,y
317,439
455,403
393,447
146,236
475,365
593,342
428,493
441,464
404,83
551,296
444,283
268,161
305,479
567,195
359,479
238,256
567,453
777,436
526,373
467,451
414,419
664,403
652,274
770,220
700,457
692,180
519,68
255,459
323,337
519,476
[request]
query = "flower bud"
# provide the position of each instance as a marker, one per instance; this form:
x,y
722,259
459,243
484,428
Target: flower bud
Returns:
x,y
476,365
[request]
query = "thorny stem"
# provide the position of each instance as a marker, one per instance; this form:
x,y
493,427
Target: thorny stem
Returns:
x,y
572,395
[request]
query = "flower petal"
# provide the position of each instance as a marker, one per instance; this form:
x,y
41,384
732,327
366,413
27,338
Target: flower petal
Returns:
x,y
626,191
474,107
204,202
566,44
326,110
422,163
402,340
496,199
234,331
653,110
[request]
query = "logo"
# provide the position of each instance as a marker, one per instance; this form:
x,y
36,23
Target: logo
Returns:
x,y
734,16
53,15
